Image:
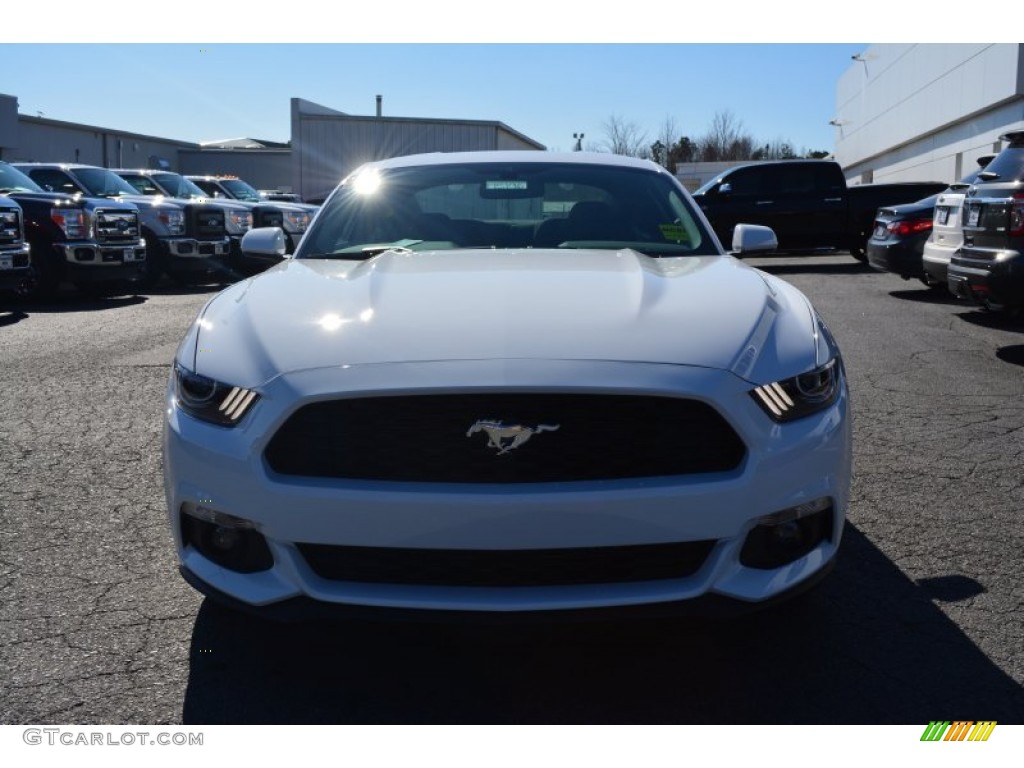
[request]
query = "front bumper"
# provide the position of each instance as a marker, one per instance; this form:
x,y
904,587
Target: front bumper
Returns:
x,y
987,277
185,254
90,262
15,268
786,465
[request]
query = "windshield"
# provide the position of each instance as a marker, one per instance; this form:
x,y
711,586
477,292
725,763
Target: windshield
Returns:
x,y
178,186
241,191
99,182
507,205
13,180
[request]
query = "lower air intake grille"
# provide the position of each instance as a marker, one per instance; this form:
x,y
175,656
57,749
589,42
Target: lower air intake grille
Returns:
x,y
482,438
507,568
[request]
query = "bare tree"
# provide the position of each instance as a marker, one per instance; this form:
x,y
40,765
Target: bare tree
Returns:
x,y
624,137
726,139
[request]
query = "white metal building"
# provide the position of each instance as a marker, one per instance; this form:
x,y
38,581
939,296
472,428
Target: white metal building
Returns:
x,y
926,112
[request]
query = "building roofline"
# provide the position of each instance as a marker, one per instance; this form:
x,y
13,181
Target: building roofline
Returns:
x,y
101,129
434,120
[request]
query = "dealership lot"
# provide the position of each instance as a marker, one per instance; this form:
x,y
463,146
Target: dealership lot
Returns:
x,y
923,617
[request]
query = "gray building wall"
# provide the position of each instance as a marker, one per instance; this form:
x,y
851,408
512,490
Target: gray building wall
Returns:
x,y
8,124
262,168
927,111
44,140
328,145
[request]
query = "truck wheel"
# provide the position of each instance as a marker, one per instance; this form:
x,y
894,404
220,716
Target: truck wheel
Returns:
x,y
45,274
153,268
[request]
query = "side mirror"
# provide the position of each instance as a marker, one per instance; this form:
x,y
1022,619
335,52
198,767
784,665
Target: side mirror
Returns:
x,y
264,241
751,238
725,188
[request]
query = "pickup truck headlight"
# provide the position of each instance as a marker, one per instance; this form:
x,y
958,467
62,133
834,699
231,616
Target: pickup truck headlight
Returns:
x,y
174,221
238,222
73,222
296,221
209,400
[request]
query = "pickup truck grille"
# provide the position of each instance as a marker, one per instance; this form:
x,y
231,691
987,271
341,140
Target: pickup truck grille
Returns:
x,y
267,217
205,221
444,438
117,226
10,227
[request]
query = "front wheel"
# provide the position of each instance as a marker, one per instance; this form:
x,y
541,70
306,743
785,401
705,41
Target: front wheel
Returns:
x,y
45,274
153,267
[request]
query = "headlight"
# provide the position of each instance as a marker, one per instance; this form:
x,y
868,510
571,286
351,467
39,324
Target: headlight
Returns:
x,y
809,392
72,221
174,221
238,222
802,395
296,221
10,228
209,400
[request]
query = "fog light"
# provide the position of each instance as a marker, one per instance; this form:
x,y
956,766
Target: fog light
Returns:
x,y
224,538
184,248
787,535
84,254
229,541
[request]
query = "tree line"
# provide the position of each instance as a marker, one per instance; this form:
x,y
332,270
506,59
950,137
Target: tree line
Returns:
x,y
726,139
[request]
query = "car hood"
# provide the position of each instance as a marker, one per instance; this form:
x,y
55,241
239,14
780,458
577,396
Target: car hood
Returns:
x,y
710,311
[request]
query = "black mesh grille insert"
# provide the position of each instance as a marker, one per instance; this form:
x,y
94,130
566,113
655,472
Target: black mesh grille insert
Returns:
x,y
205,221
268,217
507,568
444,438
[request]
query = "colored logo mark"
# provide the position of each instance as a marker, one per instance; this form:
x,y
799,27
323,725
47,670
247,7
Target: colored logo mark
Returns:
x,y
958,730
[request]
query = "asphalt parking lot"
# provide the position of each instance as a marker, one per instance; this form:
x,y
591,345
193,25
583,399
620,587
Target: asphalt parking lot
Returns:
x,y
922,619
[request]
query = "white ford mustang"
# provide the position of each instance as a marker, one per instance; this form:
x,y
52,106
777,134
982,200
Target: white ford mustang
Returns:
x,y
507,382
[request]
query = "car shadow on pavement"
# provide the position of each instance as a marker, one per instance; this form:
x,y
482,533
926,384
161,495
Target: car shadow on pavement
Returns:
x,y
76,302
11,316
926,296
869,646
1000,321
1013,353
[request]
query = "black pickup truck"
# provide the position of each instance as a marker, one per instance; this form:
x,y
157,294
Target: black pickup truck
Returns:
x,y
95,244
806,203
15,269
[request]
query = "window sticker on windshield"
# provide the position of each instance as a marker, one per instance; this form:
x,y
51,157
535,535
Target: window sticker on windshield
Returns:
x,y
673,232
506,184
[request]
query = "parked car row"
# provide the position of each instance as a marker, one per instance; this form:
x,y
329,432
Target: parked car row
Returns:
x,y
806,202
116,230
968,239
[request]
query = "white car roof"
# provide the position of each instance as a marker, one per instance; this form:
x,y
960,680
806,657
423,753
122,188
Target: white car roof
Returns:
x,y
514,156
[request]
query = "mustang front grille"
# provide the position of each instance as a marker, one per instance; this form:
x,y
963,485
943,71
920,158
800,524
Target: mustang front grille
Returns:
x,y
504,438
507,568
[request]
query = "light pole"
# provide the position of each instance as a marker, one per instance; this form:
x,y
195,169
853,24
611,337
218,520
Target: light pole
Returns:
x,y
579,142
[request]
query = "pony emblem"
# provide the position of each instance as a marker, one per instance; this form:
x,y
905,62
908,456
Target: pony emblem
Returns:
x,y
515,434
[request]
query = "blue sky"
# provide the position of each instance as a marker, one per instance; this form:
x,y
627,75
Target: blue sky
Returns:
x,y
205,91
